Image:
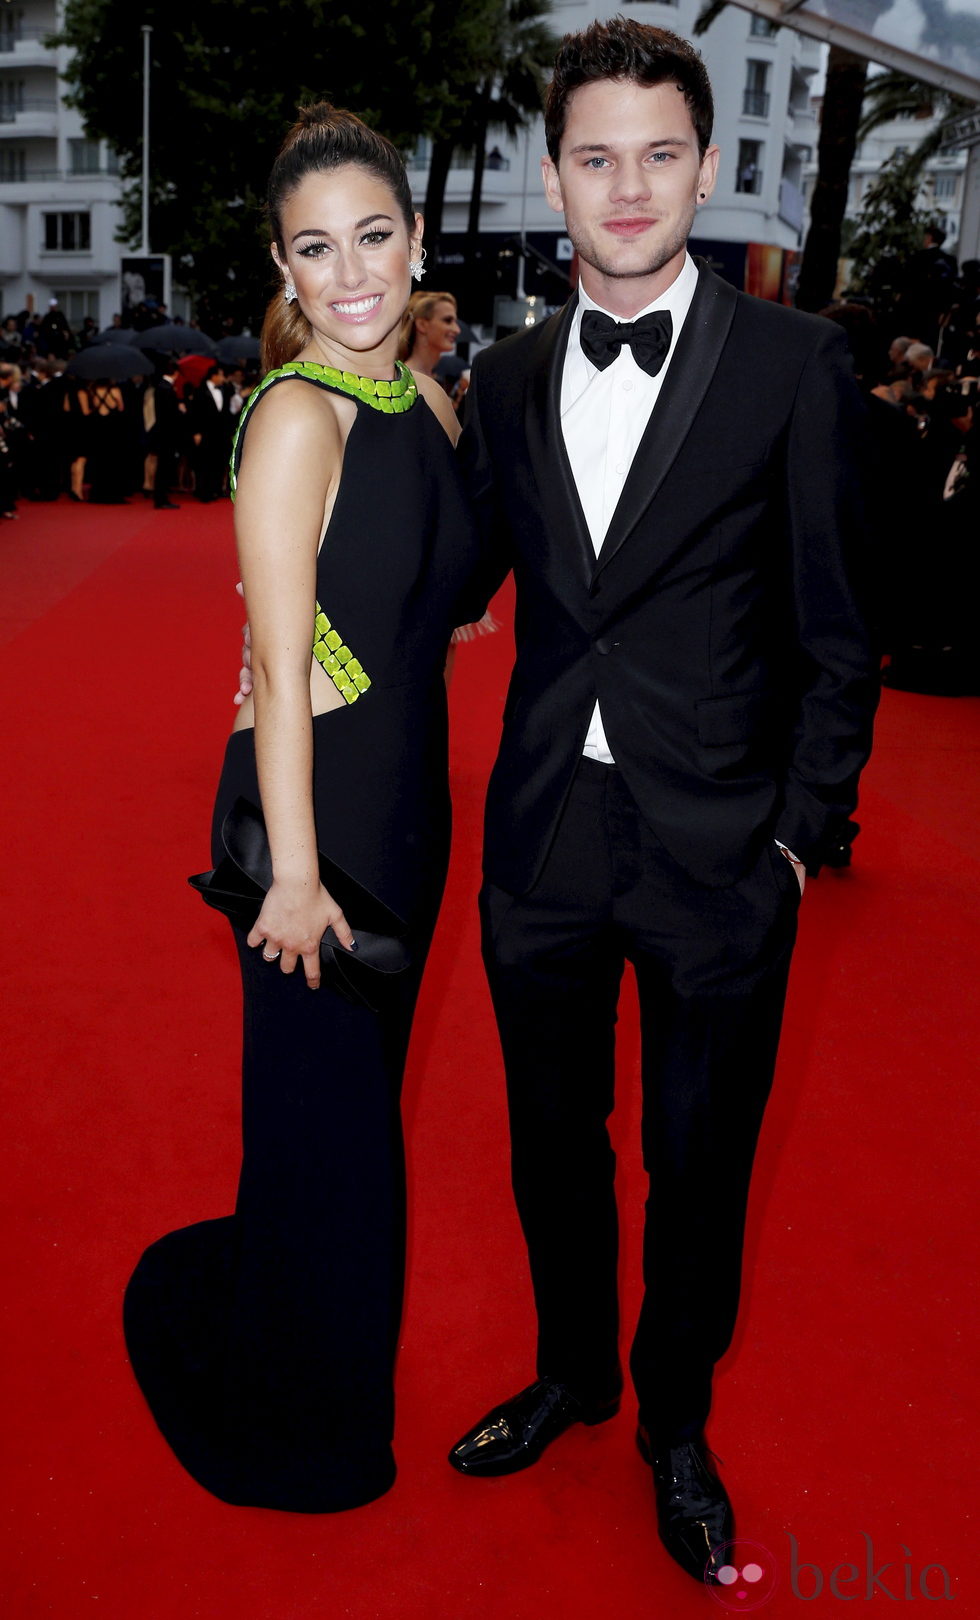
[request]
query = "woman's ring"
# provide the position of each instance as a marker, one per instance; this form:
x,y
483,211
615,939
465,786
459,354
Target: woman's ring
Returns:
x,y
273,958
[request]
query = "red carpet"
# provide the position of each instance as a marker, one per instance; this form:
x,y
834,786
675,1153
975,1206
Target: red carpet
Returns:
x,y
843,1412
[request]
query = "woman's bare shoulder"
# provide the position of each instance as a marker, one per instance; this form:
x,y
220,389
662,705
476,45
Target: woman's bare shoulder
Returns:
x,y
291,419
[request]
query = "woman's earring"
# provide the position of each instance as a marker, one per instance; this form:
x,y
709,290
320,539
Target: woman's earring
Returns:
x,y
289,293
417,266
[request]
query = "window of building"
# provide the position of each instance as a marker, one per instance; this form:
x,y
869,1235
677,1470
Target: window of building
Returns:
x,y
11,99
77,302
68,232
83,157
761,27
111,160
748,175
944,185
13,163
755,97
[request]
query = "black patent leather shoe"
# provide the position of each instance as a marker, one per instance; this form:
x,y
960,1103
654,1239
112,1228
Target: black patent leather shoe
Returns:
x,y
694,1515
514,1434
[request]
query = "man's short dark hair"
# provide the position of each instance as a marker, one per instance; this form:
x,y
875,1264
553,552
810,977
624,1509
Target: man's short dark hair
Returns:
x,y
632,51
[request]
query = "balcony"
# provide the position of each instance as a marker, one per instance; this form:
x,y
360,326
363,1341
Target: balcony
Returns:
x,y
33,115
25,47
803,122
59,177
791,207
755,103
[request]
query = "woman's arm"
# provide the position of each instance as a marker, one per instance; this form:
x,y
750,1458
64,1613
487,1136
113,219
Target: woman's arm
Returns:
x,y
291,458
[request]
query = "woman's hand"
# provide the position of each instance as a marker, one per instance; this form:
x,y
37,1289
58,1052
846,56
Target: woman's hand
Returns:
x,y
291,924
245,673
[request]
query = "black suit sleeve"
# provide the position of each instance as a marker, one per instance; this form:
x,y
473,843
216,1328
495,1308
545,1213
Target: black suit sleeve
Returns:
x,y
496,553
829,542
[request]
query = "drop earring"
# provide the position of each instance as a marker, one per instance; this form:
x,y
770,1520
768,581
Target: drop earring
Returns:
x,y
289,293
417,266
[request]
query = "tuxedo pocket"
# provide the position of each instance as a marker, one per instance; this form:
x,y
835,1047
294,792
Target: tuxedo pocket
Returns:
x,y
726,720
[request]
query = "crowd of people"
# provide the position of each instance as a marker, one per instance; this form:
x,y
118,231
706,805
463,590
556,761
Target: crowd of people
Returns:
x,y
921,387
105,439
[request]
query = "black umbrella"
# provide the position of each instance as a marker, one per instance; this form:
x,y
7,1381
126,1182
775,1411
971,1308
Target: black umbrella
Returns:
x,y
114,334
176,340
241,347
110,360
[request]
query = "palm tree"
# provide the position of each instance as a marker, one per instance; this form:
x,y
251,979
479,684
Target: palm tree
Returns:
x,y
514,92
843,99
893,95
501,86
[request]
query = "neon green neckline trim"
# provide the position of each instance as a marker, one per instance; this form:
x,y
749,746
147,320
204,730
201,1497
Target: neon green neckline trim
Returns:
x,y
390,396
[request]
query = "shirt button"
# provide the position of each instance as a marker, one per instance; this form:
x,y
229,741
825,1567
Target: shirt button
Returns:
x,y
620,466
627,387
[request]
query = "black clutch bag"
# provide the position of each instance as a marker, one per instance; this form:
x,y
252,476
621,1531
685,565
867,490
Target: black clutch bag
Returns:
x,y
239,883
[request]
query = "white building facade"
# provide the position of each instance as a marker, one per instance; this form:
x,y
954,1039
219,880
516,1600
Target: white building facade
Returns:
x,y
941,190
59,191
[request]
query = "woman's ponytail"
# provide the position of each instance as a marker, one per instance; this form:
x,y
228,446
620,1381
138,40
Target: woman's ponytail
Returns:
x,y
285,331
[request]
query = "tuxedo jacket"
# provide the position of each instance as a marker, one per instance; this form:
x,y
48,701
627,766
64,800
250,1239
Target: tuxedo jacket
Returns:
x,y
215,423
168,427
719,627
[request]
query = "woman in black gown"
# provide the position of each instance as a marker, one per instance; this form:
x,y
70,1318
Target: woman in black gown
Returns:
x,y
265,1342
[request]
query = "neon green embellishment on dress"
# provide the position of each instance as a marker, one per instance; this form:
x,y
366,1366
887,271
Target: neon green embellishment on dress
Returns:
x,y
337,660
390,397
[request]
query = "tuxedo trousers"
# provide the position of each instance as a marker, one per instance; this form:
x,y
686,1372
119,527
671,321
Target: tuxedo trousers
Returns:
x,y
711,967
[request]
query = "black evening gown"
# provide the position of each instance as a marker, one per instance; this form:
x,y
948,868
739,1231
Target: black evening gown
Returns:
x,y
265,1342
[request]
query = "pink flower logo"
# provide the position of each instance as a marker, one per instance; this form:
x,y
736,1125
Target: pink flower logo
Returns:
x,y
746,1579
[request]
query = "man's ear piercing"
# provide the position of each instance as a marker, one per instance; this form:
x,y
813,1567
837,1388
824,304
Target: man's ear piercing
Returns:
x,y
701,195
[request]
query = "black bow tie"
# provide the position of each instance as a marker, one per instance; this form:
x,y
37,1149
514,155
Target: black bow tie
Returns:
x,y
649,338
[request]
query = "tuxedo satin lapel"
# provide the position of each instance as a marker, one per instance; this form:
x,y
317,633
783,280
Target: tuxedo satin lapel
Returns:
x,y
687,381
546,445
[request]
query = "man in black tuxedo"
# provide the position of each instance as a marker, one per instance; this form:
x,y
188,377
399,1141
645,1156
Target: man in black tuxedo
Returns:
x,y
671,467
211,424
166,434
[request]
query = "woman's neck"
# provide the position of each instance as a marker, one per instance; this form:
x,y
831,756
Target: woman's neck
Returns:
x,y
377,363
424,358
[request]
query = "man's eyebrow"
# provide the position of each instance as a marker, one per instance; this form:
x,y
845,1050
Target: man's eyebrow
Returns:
x,y
601,146
317,230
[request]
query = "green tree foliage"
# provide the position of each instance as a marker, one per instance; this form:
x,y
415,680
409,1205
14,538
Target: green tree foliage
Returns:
x,y
513,90
226,78
893,95
499,84
890,226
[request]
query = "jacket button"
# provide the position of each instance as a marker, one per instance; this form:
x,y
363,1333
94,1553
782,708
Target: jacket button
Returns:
x,y
605,644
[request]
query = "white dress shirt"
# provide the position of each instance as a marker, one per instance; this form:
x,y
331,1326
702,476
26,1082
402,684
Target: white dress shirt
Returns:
x,y
603,418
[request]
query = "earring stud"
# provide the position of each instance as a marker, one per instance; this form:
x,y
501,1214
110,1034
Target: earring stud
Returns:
x,y
289,293
417,266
